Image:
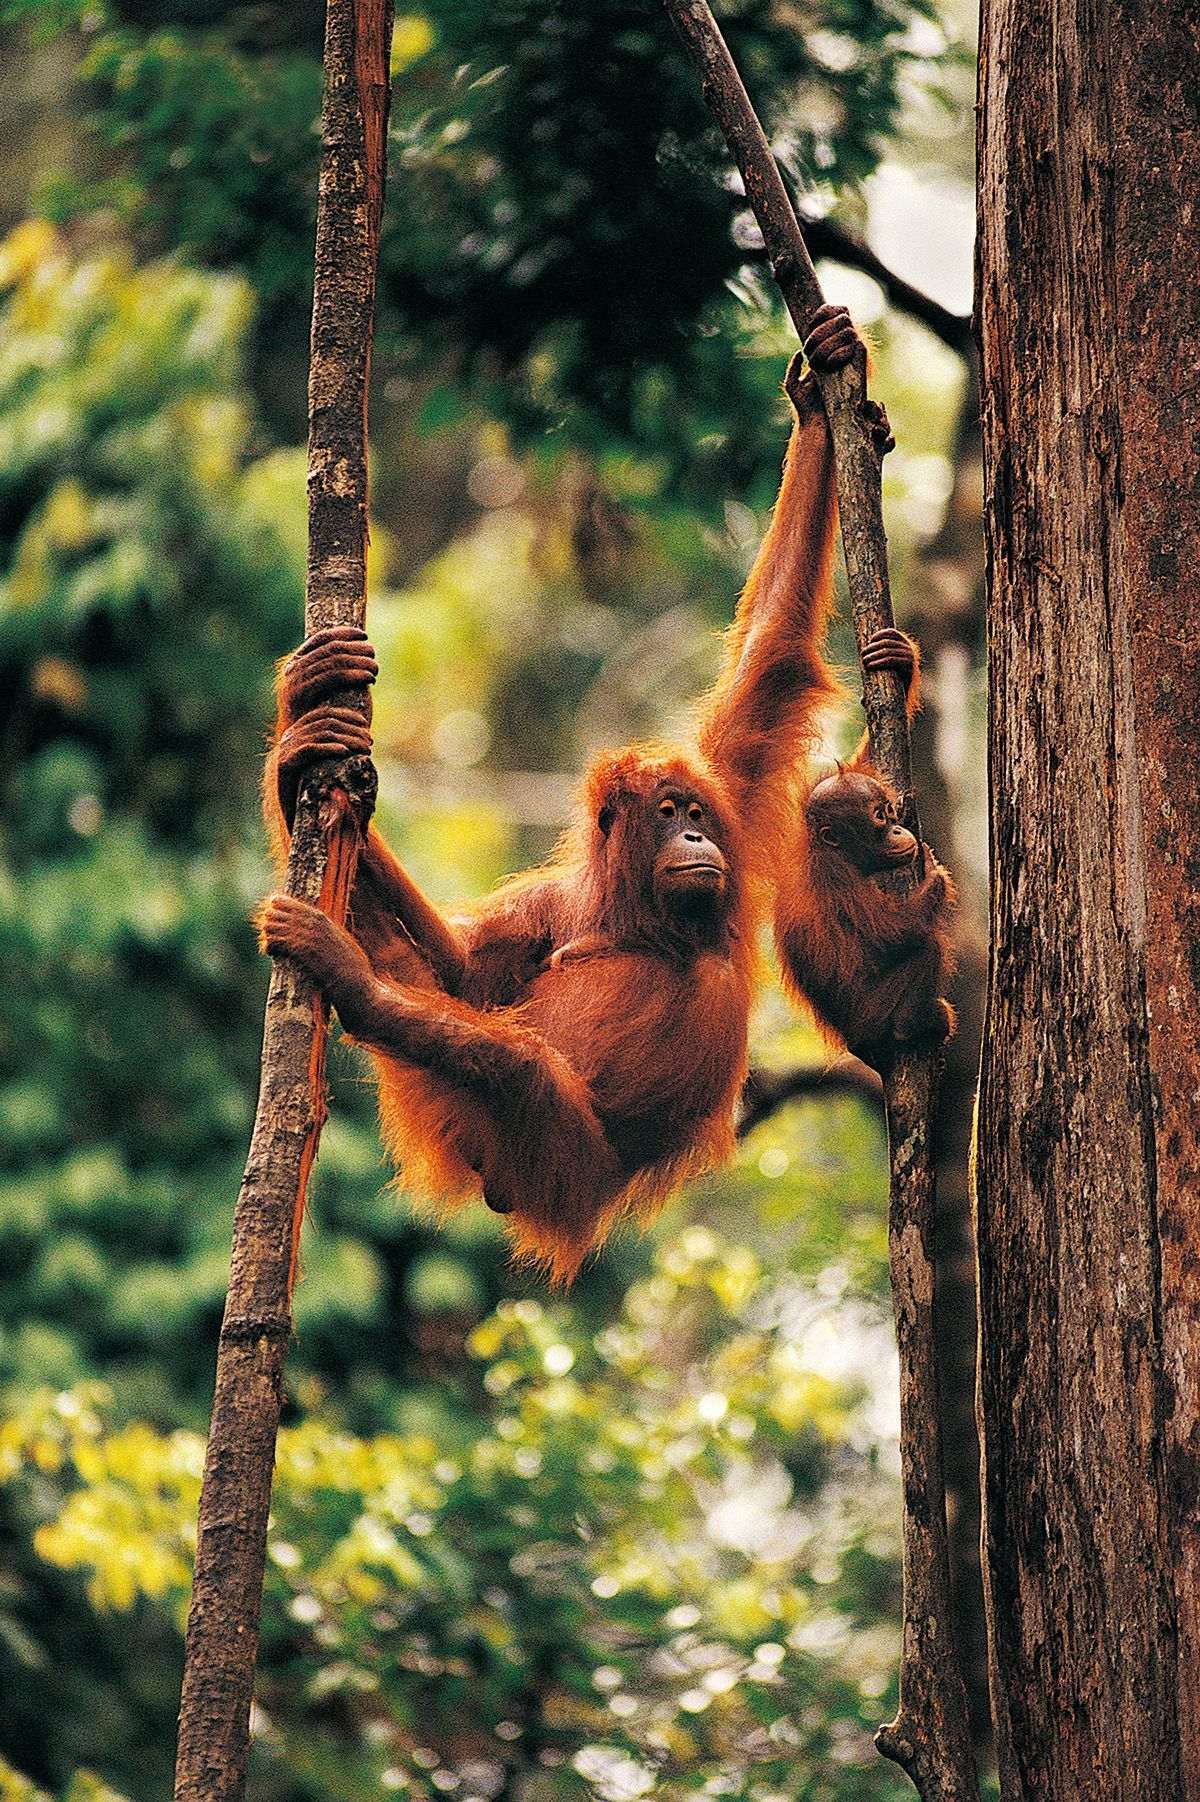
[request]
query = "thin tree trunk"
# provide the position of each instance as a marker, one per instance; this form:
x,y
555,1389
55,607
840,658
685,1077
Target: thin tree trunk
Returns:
x,y
1089,1144
222,1636
930,1738
947,617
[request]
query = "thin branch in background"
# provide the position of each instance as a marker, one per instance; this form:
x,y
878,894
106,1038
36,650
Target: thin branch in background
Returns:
x,y
825,237
766,1091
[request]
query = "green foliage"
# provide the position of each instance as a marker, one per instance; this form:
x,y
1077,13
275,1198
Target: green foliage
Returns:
x,y
209,147
83,1787
132,531
646,1560
151,569
122,447
558,206
572,172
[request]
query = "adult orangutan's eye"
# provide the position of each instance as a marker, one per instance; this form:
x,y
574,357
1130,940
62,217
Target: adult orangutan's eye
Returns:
x,y
667,809
695,813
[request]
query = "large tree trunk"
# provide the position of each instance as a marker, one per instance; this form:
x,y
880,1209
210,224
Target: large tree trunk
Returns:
x,y
1089,1133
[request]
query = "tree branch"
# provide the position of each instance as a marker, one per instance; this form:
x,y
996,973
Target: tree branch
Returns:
x,y
766,1091
335,802
825,237
930,1738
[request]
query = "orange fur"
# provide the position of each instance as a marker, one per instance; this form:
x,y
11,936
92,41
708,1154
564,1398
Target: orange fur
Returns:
x,y
871,965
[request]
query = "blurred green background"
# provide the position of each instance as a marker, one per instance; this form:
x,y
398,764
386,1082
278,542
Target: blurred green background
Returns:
x,y
641,1540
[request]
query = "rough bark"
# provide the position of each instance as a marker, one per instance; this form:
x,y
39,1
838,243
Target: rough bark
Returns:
x,y
1089,1158
930,1738
222,1636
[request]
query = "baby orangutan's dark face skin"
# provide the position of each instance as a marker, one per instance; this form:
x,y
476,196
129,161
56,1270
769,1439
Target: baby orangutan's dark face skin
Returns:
x,y
857,816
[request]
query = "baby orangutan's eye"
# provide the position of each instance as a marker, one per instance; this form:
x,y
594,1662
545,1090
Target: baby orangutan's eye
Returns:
x,y
667,809
695,813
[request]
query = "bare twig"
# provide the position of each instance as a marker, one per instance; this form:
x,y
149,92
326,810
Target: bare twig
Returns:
x,y
930,1738
766,1091
827,237
223,1625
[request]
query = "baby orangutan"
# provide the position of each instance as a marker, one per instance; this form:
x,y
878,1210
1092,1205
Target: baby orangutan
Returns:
x,y
872,965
